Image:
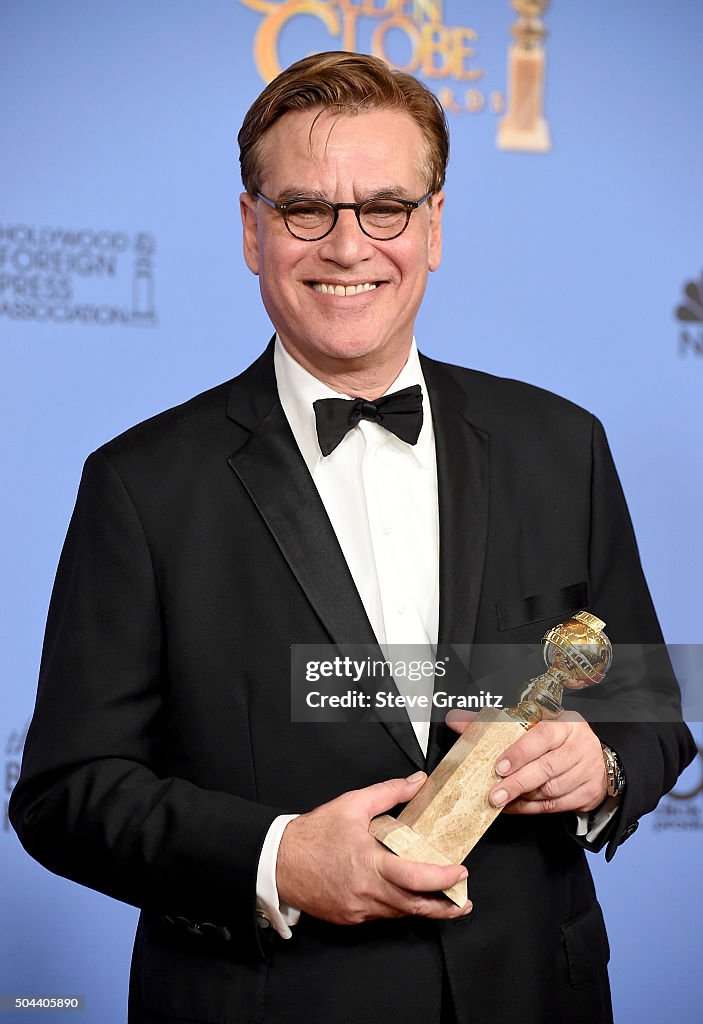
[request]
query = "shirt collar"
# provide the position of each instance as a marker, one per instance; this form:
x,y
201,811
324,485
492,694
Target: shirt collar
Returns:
x,y
298,389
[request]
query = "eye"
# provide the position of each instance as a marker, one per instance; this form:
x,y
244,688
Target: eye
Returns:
x,y
308,213
383,212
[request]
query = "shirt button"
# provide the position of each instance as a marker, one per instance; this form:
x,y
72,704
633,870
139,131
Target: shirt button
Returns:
x,y
387,528
400,608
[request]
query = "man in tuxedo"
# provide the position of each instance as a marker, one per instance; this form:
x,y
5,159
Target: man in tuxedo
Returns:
x,y
297,505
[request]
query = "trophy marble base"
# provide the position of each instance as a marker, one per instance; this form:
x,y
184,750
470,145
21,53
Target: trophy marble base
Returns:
x,y
412,846
446,819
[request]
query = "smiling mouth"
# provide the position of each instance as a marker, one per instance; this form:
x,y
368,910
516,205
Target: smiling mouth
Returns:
x,y
324,288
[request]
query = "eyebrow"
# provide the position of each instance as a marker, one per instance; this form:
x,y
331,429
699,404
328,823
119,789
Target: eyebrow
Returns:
x,y
294,192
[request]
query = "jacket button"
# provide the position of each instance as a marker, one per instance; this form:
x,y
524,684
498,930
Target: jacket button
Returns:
x,y
629,830
262,920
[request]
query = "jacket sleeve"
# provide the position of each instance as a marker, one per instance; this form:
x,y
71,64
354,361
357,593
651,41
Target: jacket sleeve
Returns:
x,y
91,803
638,711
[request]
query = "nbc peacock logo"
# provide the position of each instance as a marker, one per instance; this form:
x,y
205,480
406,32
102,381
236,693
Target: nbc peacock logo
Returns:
x,y
689,313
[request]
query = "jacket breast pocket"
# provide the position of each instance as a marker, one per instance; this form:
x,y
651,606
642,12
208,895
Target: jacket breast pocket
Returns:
x,y
553,604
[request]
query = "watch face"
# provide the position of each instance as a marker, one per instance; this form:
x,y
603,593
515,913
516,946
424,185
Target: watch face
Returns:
x,y
614,772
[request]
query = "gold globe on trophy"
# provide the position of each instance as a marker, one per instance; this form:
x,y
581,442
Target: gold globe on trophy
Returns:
x,y
577,654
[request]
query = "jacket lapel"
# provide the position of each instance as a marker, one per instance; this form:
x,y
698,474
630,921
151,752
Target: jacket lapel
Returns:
x,y
463,477
274,474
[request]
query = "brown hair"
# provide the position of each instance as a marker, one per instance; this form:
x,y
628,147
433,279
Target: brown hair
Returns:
x,y
346,83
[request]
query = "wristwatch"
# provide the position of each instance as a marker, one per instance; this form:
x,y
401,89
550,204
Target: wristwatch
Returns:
x,y
615,773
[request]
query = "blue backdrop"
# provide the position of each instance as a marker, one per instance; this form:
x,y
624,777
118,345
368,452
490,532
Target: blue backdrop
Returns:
x,y
123,291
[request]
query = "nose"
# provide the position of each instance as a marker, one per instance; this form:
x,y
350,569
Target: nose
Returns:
x,y
346,244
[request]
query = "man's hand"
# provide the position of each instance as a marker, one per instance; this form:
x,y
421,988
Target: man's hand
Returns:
x,y
331,867
555,766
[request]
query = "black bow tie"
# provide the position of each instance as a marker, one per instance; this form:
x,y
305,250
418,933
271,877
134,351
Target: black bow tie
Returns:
x,y
401,413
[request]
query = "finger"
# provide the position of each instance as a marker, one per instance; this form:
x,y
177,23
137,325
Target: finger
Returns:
x,y
579,800
537,741
399,902
459,721
559,786
418,877
438,907
580,788
552,774
382,796
570,716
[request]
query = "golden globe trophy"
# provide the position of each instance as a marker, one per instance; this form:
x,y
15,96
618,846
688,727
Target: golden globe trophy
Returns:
x,y
451,812
524,126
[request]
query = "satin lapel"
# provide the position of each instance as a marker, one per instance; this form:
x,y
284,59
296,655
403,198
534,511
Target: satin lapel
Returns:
x,y
274,473
463,476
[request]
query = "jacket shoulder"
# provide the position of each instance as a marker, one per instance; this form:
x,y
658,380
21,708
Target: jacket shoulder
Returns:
x,y
497,403
204,423
190,425
194,412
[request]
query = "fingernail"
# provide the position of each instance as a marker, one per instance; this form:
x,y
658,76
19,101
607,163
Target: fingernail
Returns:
x,y
499,798
503,767
463,875
416,777
469,907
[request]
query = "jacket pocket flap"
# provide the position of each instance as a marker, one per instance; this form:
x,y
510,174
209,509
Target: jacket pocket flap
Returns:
x,y
555,604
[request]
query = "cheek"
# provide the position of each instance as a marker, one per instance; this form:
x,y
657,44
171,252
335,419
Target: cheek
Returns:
x,y
281,260
413,259
279,284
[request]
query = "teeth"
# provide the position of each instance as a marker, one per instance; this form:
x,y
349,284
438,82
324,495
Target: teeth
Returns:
x,y
340,289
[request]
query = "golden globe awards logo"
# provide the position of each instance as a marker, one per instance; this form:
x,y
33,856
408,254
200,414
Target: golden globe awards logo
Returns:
x,y
413,36
409,35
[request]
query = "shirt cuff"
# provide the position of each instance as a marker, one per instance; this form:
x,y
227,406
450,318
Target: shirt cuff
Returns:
x,y
281,916
590,826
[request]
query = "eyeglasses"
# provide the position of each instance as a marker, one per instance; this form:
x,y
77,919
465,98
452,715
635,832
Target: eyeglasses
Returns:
x,y
313,219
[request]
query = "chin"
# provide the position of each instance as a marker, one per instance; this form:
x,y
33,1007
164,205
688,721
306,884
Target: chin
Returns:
x,y
345,344
314,349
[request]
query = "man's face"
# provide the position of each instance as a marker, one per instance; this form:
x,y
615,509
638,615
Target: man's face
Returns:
x,y
347,159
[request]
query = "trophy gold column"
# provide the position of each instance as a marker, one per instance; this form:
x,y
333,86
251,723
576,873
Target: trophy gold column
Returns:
x,y
446,819
524,126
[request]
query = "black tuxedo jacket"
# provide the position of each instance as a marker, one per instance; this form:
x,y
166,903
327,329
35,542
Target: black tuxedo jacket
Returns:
x,y
162,746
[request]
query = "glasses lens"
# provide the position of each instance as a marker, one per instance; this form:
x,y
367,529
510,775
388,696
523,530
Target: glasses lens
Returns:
x,y
383,218
308,219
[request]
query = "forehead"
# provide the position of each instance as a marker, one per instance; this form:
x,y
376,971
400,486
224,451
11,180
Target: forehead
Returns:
x,y
324,151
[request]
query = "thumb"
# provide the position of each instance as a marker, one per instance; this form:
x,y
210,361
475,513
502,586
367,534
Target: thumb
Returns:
x,y
383,795
570,716
459,721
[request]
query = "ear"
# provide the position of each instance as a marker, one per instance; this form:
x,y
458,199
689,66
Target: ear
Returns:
x,y
250,238
434,241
